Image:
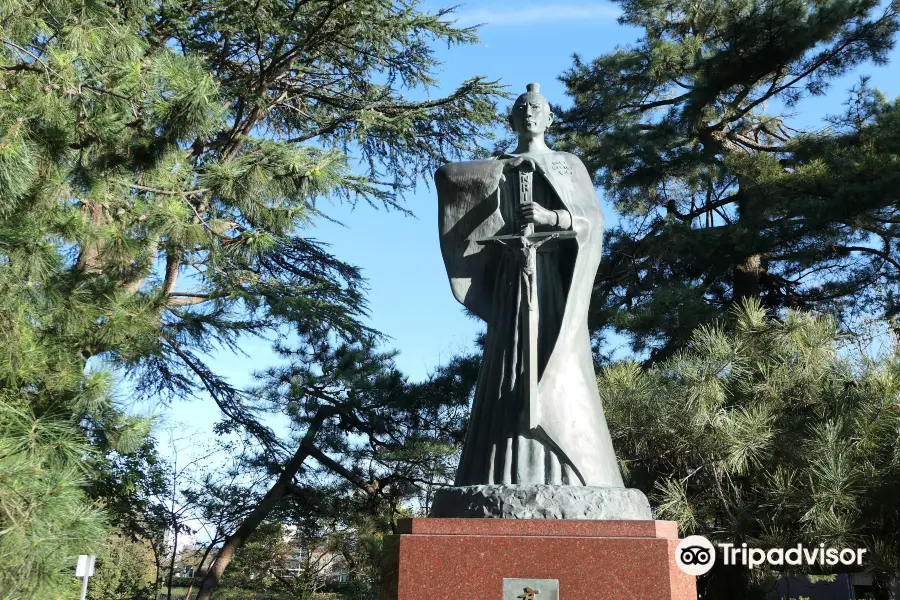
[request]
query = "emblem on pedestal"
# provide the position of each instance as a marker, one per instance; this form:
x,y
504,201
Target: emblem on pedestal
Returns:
x,y
530,589
529,593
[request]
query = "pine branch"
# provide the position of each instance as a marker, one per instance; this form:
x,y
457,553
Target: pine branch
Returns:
x,y
195,299
745,141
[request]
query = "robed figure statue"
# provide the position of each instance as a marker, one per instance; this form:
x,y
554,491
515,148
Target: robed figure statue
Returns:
x,y
521,239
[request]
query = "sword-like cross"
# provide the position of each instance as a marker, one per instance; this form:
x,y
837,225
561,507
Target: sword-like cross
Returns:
x,y
526,245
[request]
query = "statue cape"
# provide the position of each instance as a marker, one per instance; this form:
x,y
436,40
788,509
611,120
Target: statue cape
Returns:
x,y
570,413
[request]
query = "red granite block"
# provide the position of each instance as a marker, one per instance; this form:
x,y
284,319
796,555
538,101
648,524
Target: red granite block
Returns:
x,y
656,529
469,558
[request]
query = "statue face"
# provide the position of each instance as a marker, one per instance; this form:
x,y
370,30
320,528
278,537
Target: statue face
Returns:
x,y
531,115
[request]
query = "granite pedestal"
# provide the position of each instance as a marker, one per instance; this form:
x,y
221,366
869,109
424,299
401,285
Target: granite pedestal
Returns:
x,y
582,559
516,231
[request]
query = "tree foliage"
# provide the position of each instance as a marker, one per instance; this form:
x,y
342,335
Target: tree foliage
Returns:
x,y
151,143
690,132
775,434
125,570
364,442
57,422
382,433
46,518
160,163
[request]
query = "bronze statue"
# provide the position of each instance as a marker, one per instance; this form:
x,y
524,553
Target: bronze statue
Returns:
x,y
521,239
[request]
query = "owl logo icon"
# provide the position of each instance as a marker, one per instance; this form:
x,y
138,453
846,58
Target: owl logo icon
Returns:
x,y
695,555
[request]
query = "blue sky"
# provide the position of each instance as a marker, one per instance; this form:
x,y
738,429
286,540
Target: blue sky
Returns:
x,y
409,296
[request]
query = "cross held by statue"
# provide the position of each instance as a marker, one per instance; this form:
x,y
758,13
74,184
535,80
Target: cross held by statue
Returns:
x,y
526,244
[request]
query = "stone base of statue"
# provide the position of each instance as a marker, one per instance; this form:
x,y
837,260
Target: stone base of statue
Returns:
x,y
534,559
541,502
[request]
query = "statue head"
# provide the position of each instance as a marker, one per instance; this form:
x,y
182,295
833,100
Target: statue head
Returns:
x,y
531,116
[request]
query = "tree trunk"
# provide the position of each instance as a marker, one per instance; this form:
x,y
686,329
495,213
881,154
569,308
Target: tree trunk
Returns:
x,y
172,560
158,560
262,510
246,528
190,590
89,261
745,277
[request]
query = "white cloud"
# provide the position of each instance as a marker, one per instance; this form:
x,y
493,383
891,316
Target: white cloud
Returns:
x,y
545,13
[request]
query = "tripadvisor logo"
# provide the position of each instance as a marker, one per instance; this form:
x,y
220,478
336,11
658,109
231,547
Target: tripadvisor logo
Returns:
x,y
696,555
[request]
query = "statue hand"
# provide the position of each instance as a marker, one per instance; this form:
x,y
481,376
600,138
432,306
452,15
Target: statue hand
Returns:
x,y
520,163
537,214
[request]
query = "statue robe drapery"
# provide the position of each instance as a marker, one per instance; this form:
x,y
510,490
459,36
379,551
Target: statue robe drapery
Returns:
x,y
571,444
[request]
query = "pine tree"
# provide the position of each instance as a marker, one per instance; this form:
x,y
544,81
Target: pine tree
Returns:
x,y
776,433
689,131
159,163
47,519
366,442
146,143
57,422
